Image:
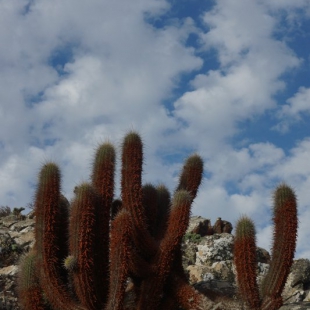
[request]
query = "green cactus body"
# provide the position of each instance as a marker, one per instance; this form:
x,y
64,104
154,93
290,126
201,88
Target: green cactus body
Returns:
x,y
82,244
103,182
284,244
245,262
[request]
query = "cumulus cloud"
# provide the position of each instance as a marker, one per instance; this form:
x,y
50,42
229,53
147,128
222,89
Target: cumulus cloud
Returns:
x,y
295,110
72,78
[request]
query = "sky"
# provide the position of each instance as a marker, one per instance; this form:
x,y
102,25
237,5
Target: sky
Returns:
x,y
228,80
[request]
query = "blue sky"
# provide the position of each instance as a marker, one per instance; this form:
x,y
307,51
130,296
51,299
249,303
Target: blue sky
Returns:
x,y
226,79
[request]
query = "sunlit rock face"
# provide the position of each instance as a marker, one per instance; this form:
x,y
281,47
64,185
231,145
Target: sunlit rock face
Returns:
x,y
207,259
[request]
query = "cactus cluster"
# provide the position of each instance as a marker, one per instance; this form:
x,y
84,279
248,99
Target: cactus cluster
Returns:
x,y
268,295
86,251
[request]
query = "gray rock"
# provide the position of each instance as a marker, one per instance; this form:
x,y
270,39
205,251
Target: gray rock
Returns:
x,y
208,262
200,225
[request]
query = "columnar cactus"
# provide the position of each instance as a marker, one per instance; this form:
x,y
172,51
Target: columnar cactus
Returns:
x,y
82,244
29,289
111,240
138,237
245,262
282,253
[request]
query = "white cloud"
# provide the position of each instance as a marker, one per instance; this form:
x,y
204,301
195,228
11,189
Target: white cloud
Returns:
x,y
295,110
115,71
251,65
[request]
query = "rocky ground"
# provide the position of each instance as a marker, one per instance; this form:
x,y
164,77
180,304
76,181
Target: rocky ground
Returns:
x,y
207,257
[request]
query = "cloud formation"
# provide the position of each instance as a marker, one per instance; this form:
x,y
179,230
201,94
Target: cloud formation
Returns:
x,y
217,83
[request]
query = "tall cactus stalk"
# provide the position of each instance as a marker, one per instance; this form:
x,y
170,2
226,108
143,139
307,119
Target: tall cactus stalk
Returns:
x,y
47,232
82,240
283,248
138,237
191,175
132,196
282,253
103,182
29,289
151,290
119,258
245,262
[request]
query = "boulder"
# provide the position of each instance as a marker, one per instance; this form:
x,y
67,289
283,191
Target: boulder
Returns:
x,y
199,225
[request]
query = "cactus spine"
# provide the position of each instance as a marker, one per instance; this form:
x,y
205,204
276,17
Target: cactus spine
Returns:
x,y
284,245
82,244
29,289
141,241
103,182
245,262
282,253
47,234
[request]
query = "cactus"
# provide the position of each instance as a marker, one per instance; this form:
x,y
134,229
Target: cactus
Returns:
x,y
245,262
110,240
283,248
29,290
139,237
282,253
103,182
82,240
152,290
47,236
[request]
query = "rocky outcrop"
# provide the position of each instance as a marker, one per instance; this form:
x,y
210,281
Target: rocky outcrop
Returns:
x,y
16,238
207,258
209,264
203,227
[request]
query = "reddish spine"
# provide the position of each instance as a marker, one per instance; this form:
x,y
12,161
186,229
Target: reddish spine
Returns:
x,y
47,210
191,175
132,159
103,182
284,245
119,260
82,244
152,289
245,262
29,290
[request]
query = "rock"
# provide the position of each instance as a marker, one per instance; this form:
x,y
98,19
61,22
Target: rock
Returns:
x,y
221,226
208,261
262,255
218,226
203,227
296,306
200,225
189,250
300,272
298,283
213,248
227,227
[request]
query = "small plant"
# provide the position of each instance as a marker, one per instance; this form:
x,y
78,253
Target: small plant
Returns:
x,y
192,237
5,211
